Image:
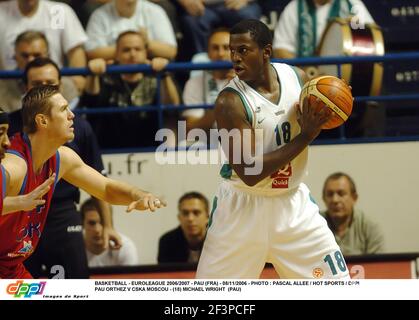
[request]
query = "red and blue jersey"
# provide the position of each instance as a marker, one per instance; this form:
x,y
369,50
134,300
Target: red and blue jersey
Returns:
x,y
20,231
2,187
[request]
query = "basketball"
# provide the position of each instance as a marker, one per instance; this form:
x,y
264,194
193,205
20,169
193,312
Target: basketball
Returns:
x,y
334,93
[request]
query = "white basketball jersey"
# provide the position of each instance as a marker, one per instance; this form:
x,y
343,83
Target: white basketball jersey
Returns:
x,y
280,126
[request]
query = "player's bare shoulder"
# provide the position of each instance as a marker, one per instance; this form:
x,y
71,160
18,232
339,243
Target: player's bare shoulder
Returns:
x,y
68,159
67,154
228,109
16,169
225,100
302,75
13,160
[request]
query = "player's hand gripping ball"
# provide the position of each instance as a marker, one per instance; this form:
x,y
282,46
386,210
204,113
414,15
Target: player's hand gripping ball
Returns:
x,y
334,93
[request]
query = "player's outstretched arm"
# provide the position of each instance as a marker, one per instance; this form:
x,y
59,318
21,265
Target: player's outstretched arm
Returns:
x,y
28,201
230,115
76,172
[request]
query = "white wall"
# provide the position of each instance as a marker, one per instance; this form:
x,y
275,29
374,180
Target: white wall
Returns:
x,y
386,175
387,179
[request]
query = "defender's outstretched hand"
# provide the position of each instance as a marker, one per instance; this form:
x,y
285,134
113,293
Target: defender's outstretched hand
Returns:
x,y
149,201
33,199
28,201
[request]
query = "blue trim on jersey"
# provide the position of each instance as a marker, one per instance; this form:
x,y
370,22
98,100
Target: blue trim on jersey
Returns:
x,y
22,188
214,207
280,85
226,171
25,138
3,173
28,142
16,153
57,167
312,199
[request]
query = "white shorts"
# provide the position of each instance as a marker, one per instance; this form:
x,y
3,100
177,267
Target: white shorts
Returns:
x,y
246,230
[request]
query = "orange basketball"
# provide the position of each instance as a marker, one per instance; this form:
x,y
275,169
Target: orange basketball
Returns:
x,y
334,93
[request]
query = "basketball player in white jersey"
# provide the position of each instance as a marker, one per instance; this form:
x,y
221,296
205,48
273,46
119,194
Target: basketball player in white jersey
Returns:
x,y
267,217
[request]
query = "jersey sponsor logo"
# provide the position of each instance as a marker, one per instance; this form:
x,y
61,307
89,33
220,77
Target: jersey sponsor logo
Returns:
x,y
280,183
280,179
278,113
27,247
21,289
25,251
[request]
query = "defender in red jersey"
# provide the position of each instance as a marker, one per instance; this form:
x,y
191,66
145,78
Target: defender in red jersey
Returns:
x,y
37,154
25,202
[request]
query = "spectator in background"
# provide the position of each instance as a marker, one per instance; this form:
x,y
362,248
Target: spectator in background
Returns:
x,y
203,87
56,20
84,8
116,17
200,17
302,23
170,10
131,89
298,33
98,255
184,244
63,224
354,232
29,45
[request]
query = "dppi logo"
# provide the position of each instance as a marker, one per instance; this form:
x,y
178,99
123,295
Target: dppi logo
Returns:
x,y
27,290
